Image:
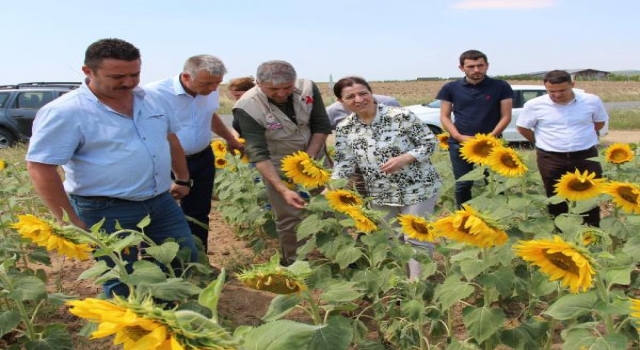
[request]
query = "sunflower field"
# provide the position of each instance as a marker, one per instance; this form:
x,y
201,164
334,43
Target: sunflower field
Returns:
x,y
503,273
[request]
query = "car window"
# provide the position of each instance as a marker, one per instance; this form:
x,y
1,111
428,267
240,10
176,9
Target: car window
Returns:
x,y
3,99
529,94
33,99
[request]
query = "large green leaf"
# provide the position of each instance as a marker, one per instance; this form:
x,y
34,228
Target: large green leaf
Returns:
x,y
280,335
341,292
127,241
413,310
210,296
144,272
172,289
280,306
452,291
571,306
483,322
527,336
501,279
471,268
309,226
619,275
164,253
94,271
347,254
28,288
632,247
585,339
335,336
54,337
8,321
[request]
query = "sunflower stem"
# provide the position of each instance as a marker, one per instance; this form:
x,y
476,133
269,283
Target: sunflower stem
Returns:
x,y
315,311
485,288
604,295
22,310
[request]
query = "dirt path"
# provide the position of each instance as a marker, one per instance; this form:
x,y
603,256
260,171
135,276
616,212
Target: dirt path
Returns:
x,y
624,136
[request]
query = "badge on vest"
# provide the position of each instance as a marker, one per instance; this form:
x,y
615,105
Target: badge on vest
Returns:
x,y
272,122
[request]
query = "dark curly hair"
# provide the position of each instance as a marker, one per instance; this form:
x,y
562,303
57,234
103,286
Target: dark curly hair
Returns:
x,y
109,48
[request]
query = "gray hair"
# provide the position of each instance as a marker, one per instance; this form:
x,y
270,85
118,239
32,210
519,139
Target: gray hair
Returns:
x,y
276,72
211,64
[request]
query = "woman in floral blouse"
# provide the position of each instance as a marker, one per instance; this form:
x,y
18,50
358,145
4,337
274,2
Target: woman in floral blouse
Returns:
x,y
392,148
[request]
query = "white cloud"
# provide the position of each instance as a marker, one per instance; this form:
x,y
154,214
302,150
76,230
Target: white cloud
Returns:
x,y
503,4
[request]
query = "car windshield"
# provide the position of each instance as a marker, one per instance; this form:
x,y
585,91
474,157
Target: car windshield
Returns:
x,y
432,104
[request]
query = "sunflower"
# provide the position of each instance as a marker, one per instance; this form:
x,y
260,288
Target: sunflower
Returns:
x,y
625,195
477,149
363,223
443,140
417,227
303,170
506,162
469,226
619,153
221,162
219,147
343,200
114,316
579,186
635,310
3,164
590,236
51,236
559,260
272,277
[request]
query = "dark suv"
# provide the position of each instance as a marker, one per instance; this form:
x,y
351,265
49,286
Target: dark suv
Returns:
x,y
19,104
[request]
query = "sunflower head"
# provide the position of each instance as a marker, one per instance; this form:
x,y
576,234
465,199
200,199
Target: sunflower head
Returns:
x,y
635,311
343,200
417,227
443,140
471,227
363,222
219,148
274,278
52,237
579,186
560,261
625,195
590,236
478,149
221,162
506,162
619,153
304,170
3,164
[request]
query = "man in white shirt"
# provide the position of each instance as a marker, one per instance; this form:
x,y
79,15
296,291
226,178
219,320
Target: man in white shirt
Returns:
x,y
564,127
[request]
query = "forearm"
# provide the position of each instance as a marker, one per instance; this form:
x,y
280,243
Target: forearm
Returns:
x,y
316,144
48,185
217,126
502,124
527,134
270,174
178,159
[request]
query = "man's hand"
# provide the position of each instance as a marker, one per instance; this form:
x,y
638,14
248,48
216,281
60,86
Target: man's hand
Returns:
x,y
396,163
179,191
294,199
235,145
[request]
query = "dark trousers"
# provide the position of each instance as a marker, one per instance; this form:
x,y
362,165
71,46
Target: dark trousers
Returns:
x,y
553,165
198,203
460,168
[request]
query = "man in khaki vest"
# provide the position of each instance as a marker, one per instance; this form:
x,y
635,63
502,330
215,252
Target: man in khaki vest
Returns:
x,y
279,116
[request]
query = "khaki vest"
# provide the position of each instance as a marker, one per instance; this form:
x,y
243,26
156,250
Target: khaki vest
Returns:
x,y
284,137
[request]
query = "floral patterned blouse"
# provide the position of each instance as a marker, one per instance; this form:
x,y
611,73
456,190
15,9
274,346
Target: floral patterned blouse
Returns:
x,y
393,131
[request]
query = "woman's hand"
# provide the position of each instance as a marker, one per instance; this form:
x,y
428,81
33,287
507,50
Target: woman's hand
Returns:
x,y
396,163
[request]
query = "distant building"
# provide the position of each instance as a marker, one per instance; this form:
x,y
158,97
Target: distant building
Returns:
x,y
577,74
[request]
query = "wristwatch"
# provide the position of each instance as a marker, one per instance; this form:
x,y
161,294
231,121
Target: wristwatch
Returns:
x,y
188,183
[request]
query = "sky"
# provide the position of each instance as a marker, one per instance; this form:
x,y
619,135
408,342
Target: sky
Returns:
x,y
45,40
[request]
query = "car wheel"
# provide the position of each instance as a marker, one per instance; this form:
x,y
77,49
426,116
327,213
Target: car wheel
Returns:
x,y
434,129
7,139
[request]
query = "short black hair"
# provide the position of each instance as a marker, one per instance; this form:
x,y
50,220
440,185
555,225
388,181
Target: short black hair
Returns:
x,y
348,81
472,55
557,77
109,48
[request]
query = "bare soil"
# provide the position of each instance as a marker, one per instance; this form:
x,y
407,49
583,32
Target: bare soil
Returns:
x,y
239,305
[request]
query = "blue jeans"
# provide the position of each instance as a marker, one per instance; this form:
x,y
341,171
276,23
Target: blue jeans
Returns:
x,y
460,168
197,204
167,221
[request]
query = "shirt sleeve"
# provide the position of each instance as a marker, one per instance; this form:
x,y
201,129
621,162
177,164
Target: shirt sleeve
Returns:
x,y
254,134
506,92
527,118
55,138
420,135
319,122
344,160
445,93
600,114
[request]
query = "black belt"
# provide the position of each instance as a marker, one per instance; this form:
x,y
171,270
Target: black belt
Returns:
x,y
576,154
199,154
99,198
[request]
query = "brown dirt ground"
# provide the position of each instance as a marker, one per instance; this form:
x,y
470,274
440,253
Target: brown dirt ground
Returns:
x,y
238,304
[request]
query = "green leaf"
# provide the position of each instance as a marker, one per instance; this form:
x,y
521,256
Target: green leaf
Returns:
x,y
336,335
54,337
452,291
281,306
632,247
541,286
471,268
501,279
172,289
571,306
39,255
347,254
94,271
341,292
144,222
164,253
210,296
413,310
483,322
126,241
8,321
28,288
527,336
309,226
619,275
568,224
144,272
584,339
280,335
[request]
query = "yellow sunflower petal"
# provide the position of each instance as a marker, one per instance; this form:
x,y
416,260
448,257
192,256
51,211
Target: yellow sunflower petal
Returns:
x,y
619,153
343,200
478,149
579,186
417,227
469,227
506,162
303,170
625,195
443,140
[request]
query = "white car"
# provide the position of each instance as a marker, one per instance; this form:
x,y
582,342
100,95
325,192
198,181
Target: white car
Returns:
x,y
430,112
